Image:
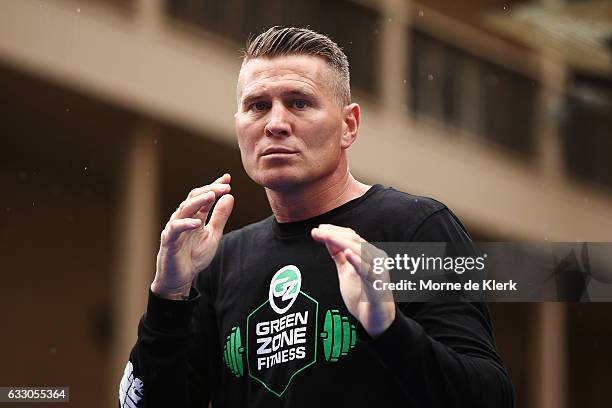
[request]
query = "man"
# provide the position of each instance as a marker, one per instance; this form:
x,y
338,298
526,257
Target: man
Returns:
x,y
276,315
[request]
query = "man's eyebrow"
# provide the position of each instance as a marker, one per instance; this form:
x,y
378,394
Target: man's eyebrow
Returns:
x,y
255,95
251,97
301,91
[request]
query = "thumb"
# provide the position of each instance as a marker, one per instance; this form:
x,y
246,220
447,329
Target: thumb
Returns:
x,y
221,213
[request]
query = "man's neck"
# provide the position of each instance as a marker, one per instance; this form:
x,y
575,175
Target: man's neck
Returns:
x,y
313,200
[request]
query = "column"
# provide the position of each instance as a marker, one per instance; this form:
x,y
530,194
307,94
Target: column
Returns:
x,y
549,385
553,75
138,232
394,46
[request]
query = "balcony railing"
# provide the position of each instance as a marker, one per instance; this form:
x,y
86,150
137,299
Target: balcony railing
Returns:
x,y
471,94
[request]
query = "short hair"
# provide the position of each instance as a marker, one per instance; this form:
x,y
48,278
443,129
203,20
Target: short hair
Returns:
x,y
281,41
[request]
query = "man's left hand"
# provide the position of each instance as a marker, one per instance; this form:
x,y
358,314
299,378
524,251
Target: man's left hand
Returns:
x,y
375,309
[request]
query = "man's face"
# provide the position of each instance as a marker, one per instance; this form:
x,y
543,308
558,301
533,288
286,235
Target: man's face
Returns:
x,y
289,123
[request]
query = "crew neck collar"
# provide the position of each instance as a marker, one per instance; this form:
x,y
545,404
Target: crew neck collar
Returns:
x,y
299,228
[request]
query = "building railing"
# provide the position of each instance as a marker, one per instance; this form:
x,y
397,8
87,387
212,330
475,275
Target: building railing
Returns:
x,y
586,118
471,94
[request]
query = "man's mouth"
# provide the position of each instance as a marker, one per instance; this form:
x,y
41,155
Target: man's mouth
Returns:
x,y
277,150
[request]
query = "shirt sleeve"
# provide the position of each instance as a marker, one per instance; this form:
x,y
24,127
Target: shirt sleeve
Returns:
x,y
168,366
443,354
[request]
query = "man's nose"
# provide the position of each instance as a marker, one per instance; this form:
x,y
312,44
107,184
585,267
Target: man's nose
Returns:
x,y
278,124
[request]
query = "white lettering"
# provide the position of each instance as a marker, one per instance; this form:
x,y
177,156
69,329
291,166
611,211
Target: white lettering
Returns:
x,y
264,349
431,285
283,356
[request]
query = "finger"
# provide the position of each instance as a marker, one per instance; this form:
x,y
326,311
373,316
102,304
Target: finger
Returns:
x,y
369,252
317,235
367,249
221,213
218,188
220,185
201,203
357,262
347,232
333,251
332,227
338,257
338,239
225,178
175,228
364,270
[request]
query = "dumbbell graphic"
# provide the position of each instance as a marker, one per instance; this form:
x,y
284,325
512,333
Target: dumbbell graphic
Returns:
x,y
338,337
232,352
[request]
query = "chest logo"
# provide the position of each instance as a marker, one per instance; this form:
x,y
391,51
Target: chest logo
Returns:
x,y
284,288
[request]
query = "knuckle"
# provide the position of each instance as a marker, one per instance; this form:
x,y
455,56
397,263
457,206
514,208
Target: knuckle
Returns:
x,y
194,192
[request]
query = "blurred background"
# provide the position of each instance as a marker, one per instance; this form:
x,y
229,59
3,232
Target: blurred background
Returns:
x,y
113,110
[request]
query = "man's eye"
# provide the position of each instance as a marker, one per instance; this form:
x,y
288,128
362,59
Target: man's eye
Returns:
x,y
300,104
259,106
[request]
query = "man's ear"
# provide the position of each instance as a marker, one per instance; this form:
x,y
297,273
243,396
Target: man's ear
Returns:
x,y
350,127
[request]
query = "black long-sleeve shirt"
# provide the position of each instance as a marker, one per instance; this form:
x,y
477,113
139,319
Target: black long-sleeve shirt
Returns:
x,y
266,326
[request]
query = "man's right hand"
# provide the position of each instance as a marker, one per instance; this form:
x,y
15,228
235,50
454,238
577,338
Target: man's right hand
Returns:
x,y
188,245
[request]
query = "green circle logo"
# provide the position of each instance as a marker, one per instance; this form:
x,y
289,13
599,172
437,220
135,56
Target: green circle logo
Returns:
x,y
284,288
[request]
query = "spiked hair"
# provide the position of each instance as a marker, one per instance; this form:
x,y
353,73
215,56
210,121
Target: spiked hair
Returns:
x,y
282,41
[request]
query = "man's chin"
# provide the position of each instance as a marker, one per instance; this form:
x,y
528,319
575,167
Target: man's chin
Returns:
x,y
281,182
